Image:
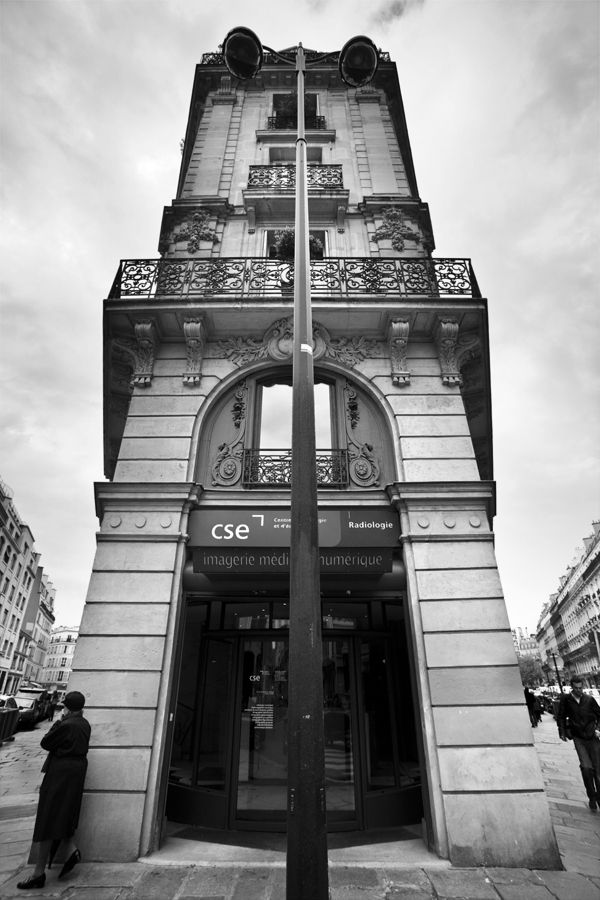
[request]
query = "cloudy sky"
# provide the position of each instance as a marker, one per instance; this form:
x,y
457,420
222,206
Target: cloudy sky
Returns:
x,y
502,106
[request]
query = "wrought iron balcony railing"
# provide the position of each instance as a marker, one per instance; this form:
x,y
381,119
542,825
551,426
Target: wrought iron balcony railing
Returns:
x,y
257,277
273,468
285,177
290,123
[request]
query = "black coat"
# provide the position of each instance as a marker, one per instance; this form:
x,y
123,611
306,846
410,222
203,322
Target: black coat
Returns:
x,y
62,788
578,719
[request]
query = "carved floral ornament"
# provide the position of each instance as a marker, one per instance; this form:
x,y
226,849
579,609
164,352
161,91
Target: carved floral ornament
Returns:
x,y
191,226
363,466
227,466
399,227
278,340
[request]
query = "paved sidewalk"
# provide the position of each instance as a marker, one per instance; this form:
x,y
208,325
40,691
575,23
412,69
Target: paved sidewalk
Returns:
x,y
577,829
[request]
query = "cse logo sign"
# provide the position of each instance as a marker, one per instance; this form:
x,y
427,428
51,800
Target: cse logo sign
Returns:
x,y
228,532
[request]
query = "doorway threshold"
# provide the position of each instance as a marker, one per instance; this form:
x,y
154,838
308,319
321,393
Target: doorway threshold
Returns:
x,y
393,848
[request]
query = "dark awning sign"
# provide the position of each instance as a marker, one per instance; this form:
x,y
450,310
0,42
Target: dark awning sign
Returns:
x,y
243,528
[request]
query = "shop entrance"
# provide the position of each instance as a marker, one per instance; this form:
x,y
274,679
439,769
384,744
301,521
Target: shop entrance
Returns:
x,y
230,751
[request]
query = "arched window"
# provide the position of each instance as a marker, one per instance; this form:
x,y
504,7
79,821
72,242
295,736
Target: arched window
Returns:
x,y
247,438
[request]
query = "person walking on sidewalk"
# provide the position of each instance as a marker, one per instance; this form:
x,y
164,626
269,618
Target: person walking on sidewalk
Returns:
x,y
62,790
578,717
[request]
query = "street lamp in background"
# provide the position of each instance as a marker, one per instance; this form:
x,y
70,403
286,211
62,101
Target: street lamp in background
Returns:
x,y
556,669
306,862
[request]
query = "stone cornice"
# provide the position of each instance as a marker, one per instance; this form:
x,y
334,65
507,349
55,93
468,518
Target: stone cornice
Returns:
x,y
438,494
126,494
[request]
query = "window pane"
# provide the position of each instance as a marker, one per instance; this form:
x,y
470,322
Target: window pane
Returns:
x,y
246,615
276,420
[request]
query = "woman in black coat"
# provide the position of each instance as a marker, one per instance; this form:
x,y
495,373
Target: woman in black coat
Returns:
x,y
62,789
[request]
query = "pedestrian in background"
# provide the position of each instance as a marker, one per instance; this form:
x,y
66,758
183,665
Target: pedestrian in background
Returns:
x,y
62,790
578,717
530,701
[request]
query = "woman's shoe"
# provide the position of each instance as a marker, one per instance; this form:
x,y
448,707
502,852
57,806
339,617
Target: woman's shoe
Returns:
x,y
72,861
34,881
53,850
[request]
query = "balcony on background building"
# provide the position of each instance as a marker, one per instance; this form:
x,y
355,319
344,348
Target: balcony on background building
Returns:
x,y
260,278
273,468
290,123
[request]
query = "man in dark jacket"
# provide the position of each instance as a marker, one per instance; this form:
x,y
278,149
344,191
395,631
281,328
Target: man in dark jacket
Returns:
x,y
578,717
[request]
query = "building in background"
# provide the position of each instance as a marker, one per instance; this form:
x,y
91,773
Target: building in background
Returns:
x,y
568,632
182,653
26,600
37,625
59,660
526,645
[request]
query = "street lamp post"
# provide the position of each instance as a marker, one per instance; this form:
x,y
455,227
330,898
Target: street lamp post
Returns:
x,y
306,861
557,674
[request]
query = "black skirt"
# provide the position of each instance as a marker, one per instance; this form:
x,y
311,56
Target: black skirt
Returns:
x,y
60,798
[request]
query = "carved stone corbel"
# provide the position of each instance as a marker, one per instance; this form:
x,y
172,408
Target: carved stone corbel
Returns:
x,y
341,219
251,219
193,331
145,335
139,351
398,337
446,336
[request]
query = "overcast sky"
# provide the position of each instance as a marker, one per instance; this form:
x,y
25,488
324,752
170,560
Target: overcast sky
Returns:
x,y
502,106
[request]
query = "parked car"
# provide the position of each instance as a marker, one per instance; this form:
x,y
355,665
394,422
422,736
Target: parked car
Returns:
x,y
7,701
34,703
593,692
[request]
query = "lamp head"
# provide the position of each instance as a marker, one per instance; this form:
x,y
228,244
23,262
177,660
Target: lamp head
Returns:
x,y
358,61
242,53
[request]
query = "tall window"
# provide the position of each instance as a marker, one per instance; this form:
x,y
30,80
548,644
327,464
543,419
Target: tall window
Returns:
x,y
276,416
285,110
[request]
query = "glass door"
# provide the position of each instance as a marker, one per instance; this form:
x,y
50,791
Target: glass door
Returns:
x,y
261,793
339,719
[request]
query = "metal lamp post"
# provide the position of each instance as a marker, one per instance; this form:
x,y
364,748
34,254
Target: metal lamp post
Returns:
x,y
306,862
556,670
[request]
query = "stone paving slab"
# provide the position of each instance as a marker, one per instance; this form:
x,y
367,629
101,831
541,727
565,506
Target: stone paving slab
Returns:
x,y
464,884
403,892
569,886
524,892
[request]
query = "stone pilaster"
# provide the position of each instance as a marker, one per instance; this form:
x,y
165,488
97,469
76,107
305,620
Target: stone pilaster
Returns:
x,y
486,788
124,661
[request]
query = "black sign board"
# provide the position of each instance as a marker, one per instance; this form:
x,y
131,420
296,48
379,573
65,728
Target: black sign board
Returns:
x,y
227,528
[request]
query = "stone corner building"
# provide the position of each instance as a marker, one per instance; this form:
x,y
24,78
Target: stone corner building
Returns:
x,y
182,653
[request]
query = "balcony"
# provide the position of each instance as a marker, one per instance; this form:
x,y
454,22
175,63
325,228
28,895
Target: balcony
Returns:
x,y
255,278
290,123
274,188
284,177
273,468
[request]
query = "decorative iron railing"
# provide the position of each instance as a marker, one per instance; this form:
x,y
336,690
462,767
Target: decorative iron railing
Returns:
x,y
273,468
290,123
256,277
285,177
216,59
